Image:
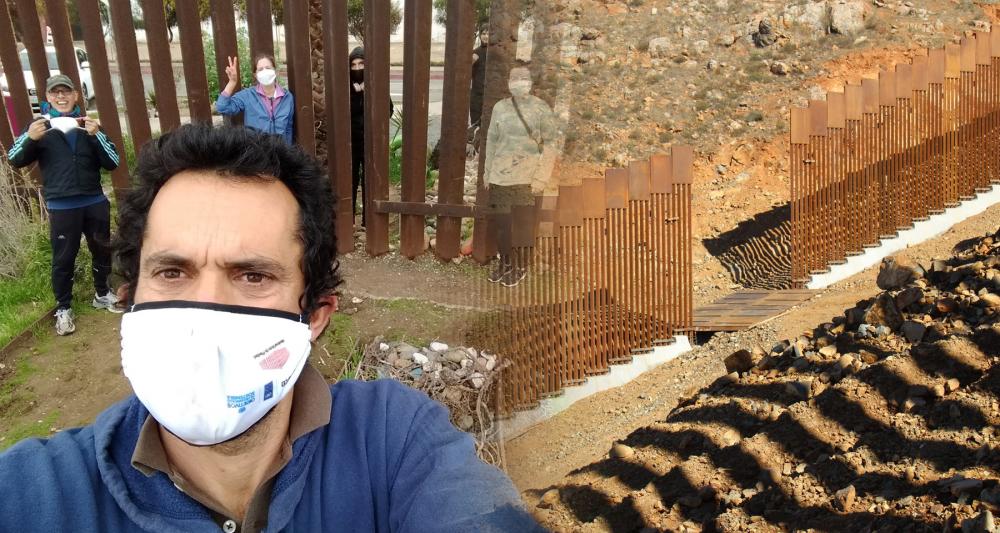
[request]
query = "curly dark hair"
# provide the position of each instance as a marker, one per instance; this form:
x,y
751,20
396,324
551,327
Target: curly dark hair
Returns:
x,y
242,154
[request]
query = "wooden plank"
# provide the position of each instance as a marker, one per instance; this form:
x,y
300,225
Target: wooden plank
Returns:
x,y
887,88
298,45
853,102
921,77
800,125
817,118
968,51
682,157
869,96
161,65
100,74
593,198
224,33
423,209
616,188
570,206
745,309
952,60
62,39
836,111
661,174
524,225
984,49
127,57
416,95
638,176
904,81
259,24
338,114
454,120
936,68
12,63
995,42
377,124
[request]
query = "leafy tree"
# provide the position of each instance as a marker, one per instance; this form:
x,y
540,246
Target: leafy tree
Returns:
x,y
482,13
356,18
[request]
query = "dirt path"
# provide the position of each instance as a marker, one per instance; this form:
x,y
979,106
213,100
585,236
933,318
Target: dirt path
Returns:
x,y
585,432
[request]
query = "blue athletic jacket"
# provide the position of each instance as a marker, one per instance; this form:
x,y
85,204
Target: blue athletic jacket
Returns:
x,y
389,461
255,115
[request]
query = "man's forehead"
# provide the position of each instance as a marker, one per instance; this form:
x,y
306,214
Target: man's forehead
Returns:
x,y
198,205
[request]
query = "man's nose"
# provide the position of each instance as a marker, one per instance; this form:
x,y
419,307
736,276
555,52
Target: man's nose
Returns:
x,y
211,287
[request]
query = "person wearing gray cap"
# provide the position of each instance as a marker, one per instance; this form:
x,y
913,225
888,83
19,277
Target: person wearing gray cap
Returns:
x,y
71,149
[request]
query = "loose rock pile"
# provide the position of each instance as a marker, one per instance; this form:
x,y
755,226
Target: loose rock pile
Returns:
x,y
884,419
460,378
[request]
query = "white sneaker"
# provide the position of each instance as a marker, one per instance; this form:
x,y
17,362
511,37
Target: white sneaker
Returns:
x,y
109,301
64,322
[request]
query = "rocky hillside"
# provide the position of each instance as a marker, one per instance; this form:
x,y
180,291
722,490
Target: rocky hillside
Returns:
x,y
721,75
885,419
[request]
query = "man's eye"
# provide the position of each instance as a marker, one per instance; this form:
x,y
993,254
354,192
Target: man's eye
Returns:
x,y
172,273
254,277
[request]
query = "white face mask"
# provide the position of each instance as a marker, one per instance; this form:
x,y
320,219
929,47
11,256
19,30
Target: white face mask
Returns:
x,y
207,372
63,124
519,87
266,76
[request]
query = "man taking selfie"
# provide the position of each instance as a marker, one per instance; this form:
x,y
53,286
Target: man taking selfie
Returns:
x,y
226,244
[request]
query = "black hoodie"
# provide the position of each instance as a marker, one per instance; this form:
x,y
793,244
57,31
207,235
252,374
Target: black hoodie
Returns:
x,y
358,107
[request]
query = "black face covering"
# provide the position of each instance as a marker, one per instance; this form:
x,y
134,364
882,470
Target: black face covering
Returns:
x,y
357,76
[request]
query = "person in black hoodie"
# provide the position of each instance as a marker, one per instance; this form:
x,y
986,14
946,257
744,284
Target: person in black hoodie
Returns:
x,y
71,149
478,86
357,62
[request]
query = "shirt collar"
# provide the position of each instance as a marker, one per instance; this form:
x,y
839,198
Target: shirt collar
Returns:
x,y
278,90
311,408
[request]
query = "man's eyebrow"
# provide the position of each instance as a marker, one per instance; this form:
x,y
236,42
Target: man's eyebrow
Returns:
x,y
167,259
263,264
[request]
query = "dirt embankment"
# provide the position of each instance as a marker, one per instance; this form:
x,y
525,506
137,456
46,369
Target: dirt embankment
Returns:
x,y
883,419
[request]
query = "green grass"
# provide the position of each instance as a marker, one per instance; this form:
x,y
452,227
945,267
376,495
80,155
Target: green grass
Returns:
x,y
24,298
26,430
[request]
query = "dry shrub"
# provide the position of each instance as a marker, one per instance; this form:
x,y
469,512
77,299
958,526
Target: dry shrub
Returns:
x,y
19,222
462,398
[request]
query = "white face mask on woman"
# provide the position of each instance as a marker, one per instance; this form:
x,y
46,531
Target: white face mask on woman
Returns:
x,y
207,372
266,76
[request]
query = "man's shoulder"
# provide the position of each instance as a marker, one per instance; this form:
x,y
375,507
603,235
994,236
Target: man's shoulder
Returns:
x,y
378,392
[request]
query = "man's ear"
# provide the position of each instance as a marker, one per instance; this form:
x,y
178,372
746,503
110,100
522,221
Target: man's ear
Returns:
x,y
122,292
320,317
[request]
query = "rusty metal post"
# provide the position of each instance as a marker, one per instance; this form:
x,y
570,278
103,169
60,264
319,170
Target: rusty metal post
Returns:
x,y
338,109
454,121
161,65
127,57
416,95
377,124
100,73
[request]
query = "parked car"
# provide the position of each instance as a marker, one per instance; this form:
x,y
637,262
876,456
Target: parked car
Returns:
x,y
82,64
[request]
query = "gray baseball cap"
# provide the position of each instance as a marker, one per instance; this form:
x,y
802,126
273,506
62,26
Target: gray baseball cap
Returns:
x,y
57,80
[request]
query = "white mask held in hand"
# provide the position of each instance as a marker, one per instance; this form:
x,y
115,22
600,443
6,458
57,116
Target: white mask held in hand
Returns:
x,y
64,124
519,88
266,76
207,372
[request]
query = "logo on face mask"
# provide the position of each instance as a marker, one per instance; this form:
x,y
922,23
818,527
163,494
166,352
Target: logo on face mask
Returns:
x,y
241,402
275,359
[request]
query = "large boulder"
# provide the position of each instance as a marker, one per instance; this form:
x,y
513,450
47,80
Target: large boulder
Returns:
x,y
883,312
847,17
661,47
897,272
812,15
